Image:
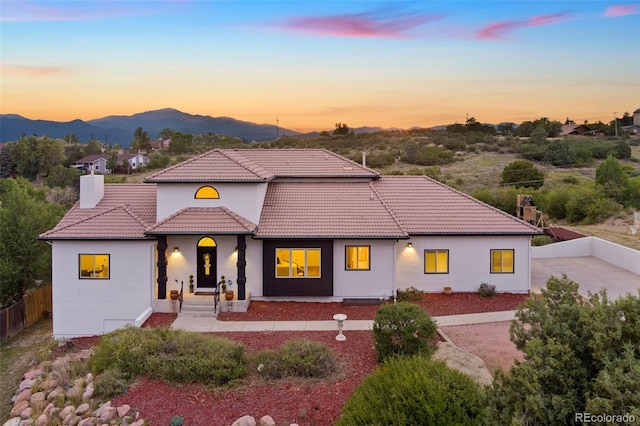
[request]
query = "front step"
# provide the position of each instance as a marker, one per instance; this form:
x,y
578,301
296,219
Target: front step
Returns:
x,y
198,308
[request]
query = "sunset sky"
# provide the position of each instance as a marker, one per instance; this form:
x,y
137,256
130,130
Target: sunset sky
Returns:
x,y
311,64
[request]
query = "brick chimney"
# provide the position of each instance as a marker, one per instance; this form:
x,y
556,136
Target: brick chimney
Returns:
x,y
91,190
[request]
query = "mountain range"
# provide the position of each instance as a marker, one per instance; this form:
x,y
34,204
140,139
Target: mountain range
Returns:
x,y
120,128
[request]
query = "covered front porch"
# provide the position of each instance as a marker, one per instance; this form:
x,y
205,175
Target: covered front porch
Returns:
x,y
201,253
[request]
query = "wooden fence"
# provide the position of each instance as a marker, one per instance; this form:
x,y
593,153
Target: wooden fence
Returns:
x,y
24,313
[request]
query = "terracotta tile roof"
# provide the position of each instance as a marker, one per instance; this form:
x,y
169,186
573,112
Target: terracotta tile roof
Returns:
x,y
325,210
251,165
213,166
424,206
135,200
203,220
119,222
306,163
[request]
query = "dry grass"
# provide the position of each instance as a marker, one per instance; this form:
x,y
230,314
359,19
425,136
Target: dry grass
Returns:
x,y
16,355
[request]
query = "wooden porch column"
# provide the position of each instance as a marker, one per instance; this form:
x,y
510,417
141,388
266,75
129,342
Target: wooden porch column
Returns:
x,y
242,267
162,267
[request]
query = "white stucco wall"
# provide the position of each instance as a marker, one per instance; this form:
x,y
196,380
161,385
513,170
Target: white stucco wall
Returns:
x,y
244,199
88,307
469,263
181,265
615,254
374,283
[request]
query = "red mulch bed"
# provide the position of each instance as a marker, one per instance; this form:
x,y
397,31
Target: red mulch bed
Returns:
x,y
436,304
305,402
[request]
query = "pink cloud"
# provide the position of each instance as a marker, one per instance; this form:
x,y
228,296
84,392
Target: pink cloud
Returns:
x,y
500,29
360,25
26,11
33,70
621,10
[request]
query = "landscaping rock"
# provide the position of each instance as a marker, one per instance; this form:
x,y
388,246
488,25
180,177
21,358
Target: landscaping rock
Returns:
x,y
466,362
69,409
88,392
38,401
123,410
25,384
42,420
82,409
15,421
19,408
75,393
266,421
26,413
245,421
32,374
25,395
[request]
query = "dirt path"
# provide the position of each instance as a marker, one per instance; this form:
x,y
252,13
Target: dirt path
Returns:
x,y
488,341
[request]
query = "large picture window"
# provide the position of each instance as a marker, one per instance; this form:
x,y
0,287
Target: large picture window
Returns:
x,y
94,266
502,261
297,262
436,261
357,258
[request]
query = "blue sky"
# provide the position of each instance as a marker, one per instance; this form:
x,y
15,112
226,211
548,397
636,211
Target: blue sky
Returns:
x,y
312,64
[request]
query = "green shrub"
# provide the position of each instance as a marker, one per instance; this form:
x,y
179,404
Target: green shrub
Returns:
x,y
297,358
110,383
403,329
541,240
171,355
487,290
176,421
411,294
415,391
580,355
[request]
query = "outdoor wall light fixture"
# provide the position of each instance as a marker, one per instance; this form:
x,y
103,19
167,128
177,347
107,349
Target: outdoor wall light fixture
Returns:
x,y
236,250
176,250
409,245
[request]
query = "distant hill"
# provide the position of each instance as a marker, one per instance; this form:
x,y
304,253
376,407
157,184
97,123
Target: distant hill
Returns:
x,y
120,129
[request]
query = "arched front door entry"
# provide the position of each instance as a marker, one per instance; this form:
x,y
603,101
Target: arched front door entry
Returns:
x,y
207,263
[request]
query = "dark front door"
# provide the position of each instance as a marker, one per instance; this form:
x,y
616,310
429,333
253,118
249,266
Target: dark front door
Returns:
x,y
207,267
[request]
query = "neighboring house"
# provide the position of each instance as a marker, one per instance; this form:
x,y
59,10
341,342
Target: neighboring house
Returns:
x,y
160,144
134,160
575,130
95,162
282,224
636,117
99,162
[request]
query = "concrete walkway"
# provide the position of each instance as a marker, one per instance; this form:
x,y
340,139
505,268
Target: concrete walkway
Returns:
x,y
208,324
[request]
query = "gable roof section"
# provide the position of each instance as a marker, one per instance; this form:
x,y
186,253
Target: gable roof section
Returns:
x,y
302,163
203,220
119,222
135,202
213,166
424,206
326,210
259,165
91,158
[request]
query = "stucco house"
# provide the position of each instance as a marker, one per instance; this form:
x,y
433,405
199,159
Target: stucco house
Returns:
x,y
281,224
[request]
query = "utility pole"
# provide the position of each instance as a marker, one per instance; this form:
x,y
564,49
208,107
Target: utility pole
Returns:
x,y
615,123
277,128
